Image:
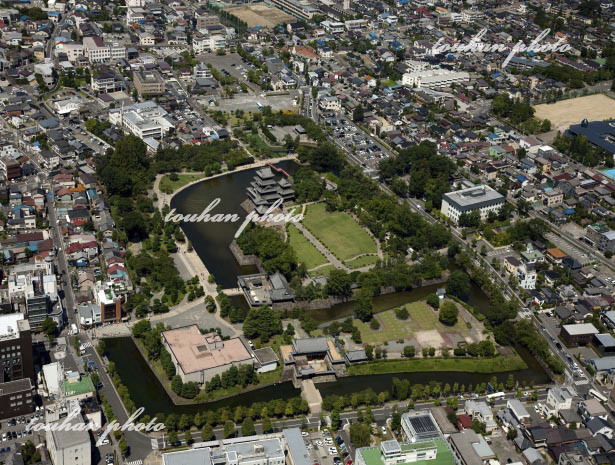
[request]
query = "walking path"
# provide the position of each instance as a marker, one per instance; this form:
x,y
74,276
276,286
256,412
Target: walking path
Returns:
x,y
321,248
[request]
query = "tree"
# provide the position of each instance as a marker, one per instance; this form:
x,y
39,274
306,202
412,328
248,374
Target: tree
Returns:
x,y
123,446
339,284
262,322
335,419
247,427
402,313
409,351
229,429
188,437
29,453
433,300
207,433
177,385
49,327
173,439
448,314
459,285
365,309
358,114
101,347
267,426
360,434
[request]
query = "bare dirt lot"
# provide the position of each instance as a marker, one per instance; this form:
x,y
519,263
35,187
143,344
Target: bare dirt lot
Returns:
x,y
259,14
562,114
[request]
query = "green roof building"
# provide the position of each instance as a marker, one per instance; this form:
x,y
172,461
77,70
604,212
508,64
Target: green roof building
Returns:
x,y
79,388
433,452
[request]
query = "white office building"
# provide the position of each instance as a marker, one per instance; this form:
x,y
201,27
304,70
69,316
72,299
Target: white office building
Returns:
x,y
270,449
483,199
434,78
143,120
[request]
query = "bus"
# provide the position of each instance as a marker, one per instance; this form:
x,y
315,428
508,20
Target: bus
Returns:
x,y
598,395
495,396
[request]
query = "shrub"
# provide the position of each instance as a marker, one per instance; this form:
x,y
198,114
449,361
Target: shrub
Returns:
x,y
433,300
402,313
374,324
459,352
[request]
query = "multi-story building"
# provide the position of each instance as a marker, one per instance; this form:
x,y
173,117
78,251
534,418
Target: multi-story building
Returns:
x,y
16,398
526,276
600,236
419,425
578,335
199,357
117,51
143,120
148,82
483,199
217,42
95,49
394,453
110,303
434,78
329,103
558,398
69,447
301,9
105,79
204,19
15,348
252,450
73,50
202,71
479,410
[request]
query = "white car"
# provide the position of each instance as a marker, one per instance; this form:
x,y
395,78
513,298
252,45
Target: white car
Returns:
x,y
332,450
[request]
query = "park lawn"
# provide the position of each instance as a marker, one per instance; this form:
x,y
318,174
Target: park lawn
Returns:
x,y
427,318
168,186
322,271
362,261
498,364
339,232
391,329
422,318
306,252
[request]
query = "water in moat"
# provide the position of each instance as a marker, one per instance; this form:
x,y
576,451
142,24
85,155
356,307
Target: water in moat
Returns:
x,y
211,242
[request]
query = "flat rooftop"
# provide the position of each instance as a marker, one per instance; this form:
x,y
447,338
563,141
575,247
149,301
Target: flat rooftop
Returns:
x,y
9,325
196,352
373,455
474,197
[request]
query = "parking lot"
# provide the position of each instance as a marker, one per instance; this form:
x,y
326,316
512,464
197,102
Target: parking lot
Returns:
x,y
573,252
323,448
350,137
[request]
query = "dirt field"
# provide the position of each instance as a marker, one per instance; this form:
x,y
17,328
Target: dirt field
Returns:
x,y
259,14
562,114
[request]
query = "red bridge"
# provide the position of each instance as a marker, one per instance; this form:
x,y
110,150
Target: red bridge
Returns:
x,y
279,170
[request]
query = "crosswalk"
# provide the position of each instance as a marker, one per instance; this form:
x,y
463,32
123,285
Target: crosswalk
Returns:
x,y
135,462
87,344
155,444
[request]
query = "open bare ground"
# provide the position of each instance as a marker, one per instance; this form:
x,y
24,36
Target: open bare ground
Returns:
x,y
564,113
259,14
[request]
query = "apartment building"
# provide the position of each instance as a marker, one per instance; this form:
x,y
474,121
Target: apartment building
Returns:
x,y
600,236
148,82
202,71
558,398
105,80
434,78
110,303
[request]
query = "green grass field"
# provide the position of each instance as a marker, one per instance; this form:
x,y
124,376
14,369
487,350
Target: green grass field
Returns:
x,y
499,364
339,232
322,271
167,186
422,318
362,261
306,252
